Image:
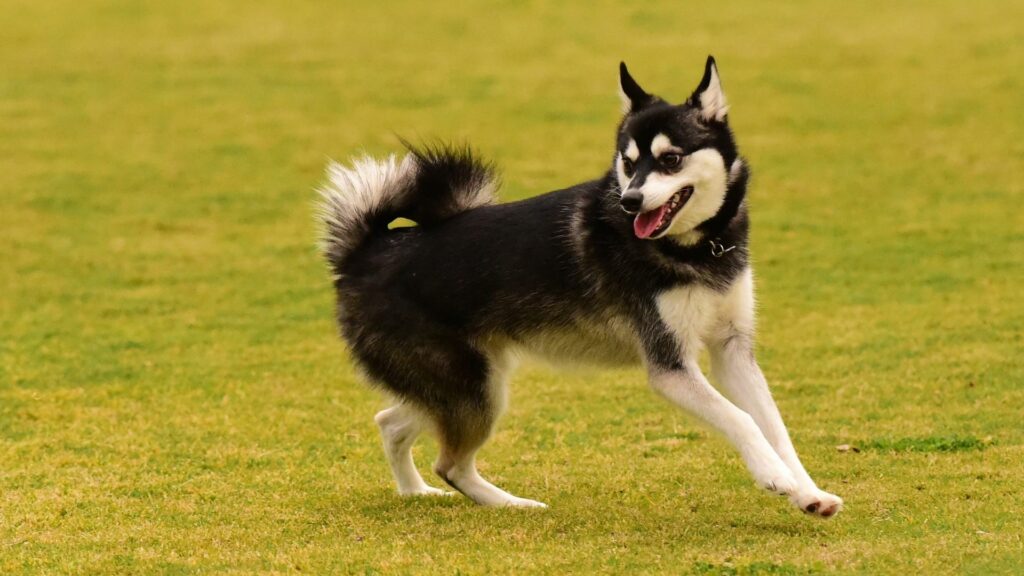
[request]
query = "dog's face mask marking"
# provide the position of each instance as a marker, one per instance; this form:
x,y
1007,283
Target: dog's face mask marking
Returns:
x,y
674,161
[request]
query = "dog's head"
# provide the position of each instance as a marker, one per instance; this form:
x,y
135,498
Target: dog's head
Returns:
x,y
674,163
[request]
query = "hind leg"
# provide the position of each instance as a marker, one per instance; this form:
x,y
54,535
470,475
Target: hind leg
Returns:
x,y
464,428
461,438
399,427
458,386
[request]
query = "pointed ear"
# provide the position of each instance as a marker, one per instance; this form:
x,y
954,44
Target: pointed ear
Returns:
x,y
633,96
709,96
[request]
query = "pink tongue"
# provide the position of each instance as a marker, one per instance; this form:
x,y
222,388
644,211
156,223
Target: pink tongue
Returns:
x,y
646,223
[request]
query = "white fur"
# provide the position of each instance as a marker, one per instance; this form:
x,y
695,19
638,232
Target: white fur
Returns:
x,y
351,193
690,390
633,153
713,104
735,170
464,475
725,322
632,150
399,426
658,188
689,238
627,104
692,313
693,236
705,171
661,144
371,185
620,173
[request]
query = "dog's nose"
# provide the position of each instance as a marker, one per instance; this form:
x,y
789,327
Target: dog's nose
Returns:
x,y
631,201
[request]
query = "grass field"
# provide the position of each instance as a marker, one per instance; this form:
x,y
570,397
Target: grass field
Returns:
x,y
173,395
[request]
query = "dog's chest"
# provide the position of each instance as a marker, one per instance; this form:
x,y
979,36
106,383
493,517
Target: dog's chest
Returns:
x,y
691,313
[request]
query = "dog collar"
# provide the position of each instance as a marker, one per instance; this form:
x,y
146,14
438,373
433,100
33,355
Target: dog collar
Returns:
x,y
718,249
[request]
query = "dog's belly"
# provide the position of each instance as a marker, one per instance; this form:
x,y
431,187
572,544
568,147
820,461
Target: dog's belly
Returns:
x,y
605,343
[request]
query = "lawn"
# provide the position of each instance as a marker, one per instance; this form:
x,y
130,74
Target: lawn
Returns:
x,y
174,398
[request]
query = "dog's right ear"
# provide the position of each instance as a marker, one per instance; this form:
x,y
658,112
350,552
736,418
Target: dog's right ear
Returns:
x,y
633,96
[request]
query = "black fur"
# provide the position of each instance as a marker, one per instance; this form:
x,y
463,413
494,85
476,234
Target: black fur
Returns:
x,y
444,176
637,96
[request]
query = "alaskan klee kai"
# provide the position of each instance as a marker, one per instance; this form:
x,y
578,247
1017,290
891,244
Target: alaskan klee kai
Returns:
x,y
647,264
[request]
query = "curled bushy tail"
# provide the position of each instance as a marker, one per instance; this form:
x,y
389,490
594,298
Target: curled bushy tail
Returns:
x,y
427,186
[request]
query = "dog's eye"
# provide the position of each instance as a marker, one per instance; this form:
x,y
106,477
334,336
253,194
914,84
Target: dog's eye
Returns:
x,y
671,161
628,167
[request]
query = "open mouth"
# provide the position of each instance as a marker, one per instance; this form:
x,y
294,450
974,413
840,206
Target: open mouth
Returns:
x,y
654,222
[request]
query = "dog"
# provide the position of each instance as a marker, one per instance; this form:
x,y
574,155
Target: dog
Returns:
x,y
648,264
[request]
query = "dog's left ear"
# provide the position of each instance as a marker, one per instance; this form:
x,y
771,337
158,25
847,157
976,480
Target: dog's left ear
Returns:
x,y
633,96
709,96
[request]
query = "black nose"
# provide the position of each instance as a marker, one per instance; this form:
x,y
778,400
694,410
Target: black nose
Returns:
x,y
631,201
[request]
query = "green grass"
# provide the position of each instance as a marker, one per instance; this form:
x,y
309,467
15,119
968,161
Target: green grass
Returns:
x,y
173,396
930,444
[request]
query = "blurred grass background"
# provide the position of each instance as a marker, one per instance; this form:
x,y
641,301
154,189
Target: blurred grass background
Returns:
x,y
173,398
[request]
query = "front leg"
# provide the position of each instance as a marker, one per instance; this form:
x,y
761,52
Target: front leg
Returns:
x,y
733,366
685,386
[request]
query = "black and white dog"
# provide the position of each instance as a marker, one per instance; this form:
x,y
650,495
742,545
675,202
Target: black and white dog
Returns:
x,y
648,263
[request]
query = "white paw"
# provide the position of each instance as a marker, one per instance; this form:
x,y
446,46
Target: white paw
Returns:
x,y
817,502
425,491
516,502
